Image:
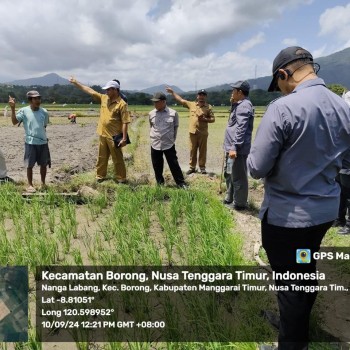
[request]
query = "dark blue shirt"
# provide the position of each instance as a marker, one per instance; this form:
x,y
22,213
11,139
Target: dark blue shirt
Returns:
x,y
238,134
299,148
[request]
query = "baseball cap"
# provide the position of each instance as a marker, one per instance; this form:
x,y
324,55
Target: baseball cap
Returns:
x,y
202,92
241,85
158,96
33,93
286,56
111,84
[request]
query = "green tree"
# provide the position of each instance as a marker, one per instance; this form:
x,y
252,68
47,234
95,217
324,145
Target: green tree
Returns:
x,y
337,88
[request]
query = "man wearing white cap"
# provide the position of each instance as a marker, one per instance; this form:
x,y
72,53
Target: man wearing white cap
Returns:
x,y
114,120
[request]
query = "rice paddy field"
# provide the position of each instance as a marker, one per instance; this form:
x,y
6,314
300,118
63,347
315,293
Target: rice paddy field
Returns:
x,y
77,222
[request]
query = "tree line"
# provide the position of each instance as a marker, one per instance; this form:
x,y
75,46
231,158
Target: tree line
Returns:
x,y
68,94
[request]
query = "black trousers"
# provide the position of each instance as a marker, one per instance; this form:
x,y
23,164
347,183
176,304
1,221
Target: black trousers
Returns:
x,y
171,158
280,244
343,204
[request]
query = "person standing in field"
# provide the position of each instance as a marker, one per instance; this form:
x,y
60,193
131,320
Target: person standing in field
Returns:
x,y
238,137
301,144
343,179
114,119
3,170
35,120
164,123
201,114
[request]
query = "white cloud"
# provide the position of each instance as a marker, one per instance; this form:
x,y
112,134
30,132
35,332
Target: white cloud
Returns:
x,y
256,40
140,42
290,41
320,51
336,22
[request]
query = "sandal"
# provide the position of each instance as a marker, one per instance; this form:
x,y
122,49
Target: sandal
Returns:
x,y
30,189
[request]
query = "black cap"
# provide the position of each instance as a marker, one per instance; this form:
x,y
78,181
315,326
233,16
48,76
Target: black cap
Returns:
x,y
202,92
158,96
241,85
285,57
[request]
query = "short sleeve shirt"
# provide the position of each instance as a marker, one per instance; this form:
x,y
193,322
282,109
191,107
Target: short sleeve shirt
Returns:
x,y
196,126
34,123
112,115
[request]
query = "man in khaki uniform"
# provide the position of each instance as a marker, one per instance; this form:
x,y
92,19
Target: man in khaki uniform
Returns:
x,y
114,120
201,114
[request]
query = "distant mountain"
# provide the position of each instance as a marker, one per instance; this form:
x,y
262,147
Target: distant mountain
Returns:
x,y
335,69
161,88
47,80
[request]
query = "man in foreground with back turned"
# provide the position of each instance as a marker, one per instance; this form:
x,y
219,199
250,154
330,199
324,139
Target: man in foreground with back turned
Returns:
x,y
300,146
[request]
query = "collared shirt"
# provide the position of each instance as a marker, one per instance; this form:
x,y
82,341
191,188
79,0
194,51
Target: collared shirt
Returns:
x,y
238,134
195,125
346,97
112,115
299,148
34,123
164,125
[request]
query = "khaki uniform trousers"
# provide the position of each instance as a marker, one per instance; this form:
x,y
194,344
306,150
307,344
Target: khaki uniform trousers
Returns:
x,y
106,148
198,142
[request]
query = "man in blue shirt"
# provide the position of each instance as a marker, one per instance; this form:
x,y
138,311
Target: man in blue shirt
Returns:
x,y
238,136
299,148
35,120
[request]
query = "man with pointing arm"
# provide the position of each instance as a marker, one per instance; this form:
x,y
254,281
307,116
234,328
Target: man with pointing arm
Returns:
x,y
114,120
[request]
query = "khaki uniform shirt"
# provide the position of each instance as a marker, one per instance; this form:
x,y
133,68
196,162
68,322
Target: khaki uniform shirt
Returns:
x,y
112,115
196,126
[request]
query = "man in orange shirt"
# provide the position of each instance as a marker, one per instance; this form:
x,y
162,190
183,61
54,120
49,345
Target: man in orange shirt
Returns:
x,y
201,114
114,119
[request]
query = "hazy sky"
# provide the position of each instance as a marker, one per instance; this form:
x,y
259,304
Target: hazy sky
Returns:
x,y
188,43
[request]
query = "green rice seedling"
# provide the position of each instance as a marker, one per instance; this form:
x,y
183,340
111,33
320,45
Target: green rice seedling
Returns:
x,y
90,249
150,254
78,260
6,249
98,243
28,222
106,258
64,234
114,346
98,204
83,345
68,218
51,217
107,231
47,252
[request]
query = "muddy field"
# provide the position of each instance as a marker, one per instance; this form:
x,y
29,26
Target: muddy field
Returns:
x,y
71,147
